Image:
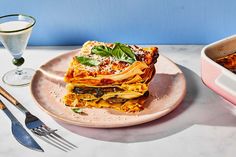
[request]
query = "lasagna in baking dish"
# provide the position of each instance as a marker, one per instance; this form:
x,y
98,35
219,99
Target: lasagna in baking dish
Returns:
x,y
110,75
228,62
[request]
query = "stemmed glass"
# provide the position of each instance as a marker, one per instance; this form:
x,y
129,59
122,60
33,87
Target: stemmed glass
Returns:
x,y
15,30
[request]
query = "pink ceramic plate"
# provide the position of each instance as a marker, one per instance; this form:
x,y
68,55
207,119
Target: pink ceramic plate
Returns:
x,y
167,90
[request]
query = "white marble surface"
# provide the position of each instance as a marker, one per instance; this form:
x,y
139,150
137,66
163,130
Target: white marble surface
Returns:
x,y
203,126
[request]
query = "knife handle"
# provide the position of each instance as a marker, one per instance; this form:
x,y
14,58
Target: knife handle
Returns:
x,y
8,96
2,106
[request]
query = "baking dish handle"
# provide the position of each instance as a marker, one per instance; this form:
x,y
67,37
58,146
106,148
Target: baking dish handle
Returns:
x,y
226,82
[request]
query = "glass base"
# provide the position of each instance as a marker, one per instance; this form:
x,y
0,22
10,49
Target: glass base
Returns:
x,y
13,78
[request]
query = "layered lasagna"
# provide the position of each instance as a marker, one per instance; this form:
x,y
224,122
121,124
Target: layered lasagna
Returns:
x,y
228,62
110,75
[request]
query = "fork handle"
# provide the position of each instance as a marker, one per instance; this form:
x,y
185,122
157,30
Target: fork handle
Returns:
x,y
8,96
2,106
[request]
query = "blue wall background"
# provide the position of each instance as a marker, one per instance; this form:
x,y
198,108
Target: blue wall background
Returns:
x,y
72,22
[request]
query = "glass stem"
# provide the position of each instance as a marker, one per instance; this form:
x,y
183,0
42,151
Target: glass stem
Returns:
x,y
19,70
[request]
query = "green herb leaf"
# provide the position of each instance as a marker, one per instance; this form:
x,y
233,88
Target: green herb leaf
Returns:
x,y
101,50
123,53
87,61
127,50
120,51
77,110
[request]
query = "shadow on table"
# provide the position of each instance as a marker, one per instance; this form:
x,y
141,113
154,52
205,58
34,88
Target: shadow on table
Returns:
x,y
200,106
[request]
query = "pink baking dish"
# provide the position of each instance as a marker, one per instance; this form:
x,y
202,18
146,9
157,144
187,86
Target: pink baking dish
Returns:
x,y
215,76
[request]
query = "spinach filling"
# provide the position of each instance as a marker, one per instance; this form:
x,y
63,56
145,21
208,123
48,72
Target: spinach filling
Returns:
x,y
97,92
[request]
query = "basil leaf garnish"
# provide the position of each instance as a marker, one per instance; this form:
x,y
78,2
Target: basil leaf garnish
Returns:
x,y
127,50
77,110
101,50
87,61
123,53
120,51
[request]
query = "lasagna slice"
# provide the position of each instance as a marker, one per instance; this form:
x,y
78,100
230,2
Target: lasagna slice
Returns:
x,y
110,75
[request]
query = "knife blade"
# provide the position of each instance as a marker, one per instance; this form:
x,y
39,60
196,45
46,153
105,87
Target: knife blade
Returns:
x,y
19,132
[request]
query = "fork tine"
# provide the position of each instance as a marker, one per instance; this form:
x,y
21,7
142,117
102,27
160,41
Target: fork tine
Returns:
x,y
45,139
51,134
55,140
60,137
55,134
